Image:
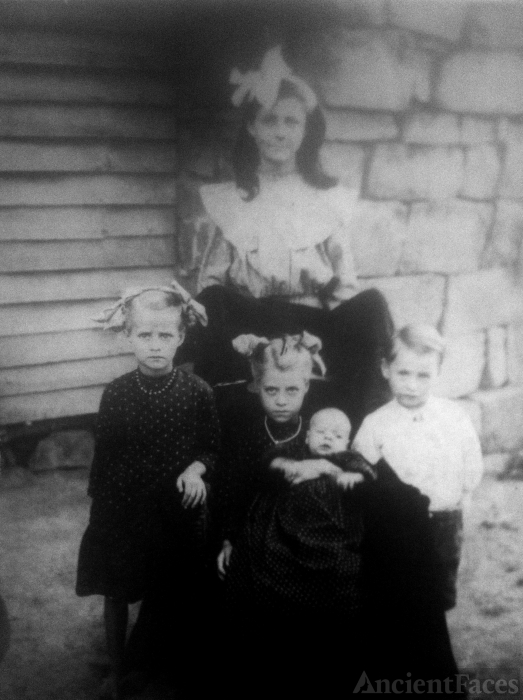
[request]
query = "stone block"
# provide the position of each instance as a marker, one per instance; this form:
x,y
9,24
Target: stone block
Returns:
x,y
473,410
426,127
482,83
501,419
64,449
462,366
505,244
370,72
511,181
515,353
345,162
358,126
481,299
497,25
482,167
379,230
443,19
445,236
415,172
369,12
477,130
432,128
496,464
412,299
496,366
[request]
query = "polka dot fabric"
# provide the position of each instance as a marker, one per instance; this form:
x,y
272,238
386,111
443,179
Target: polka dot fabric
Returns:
x,y
294,547
149,430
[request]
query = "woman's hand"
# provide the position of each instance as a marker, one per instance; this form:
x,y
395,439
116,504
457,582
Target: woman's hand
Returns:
x,y
224,558
191,484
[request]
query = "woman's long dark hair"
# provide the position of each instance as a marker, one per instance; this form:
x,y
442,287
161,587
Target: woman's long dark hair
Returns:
x,y
246,157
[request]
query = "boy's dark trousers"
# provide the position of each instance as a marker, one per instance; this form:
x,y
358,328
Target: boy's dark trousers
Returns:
x,y
447,529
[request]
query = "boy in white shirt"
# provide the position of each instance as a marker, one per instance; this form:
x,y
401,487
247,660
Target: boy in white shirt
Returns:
x,y
428,441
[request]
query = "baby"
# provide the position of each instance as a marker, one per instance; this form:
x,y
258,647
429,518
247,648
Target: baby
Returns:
x,y
327,452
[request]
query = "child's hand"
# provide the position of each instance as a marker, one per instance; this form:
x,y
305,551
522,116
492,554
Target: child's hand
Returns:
x,y
349,479
312,469
224,558
191,484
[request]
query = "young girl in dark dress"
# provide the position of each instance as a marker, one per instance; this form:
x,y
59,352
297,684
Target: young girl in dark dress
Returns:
x,y
156,441
322,582
291,557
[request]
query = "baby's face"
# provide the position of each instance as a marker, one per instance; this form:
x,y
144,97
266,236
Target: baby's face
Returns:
x,y
328,434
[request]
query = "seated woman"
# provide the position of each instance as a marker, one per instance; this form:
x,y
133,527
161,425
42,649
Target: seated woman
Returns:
x,y
279,257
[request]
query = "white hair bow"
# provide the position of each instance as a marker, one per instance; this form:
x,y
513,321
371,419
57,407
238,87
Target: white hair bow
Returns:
x,y
263,85
113,318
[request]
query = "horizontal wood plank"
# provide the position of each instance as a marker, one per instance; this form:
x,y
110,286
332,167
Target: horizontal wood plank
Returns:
x,y
58,49
87,189
25,350
75,121
66,223
105,88
25,319
63,375
19,156
81,285
91,255
55,404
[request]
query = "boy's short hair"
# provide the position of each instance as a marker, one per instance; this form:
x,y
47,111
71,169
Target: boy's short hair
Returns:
x,y
422,338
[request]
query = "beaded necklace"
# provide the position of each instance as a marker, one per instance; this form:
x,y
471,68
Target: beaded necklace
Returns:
x,y
280,442
154,392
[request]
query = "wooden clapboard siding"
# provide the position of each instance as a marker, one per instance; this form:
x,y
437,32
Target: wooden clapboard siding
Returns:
x,y
39,349
41,120
58,223
27,319
88,180
20,48
77,255
20,156
51,404
83,87
86,189
78,285
63,375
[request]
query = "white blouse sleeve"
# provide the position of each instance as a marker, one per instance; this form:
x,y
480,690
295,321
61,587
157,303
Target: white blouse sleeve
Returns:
x,y
342,262
216,261
338,247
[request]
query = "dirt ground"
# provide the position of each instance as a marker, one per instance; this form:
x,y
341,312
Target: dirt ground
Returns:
x,y
57,646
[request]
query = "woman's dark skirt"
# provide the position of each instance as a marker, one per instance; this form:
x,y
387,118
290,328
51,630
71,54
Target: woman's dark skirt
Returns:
x,y
355,337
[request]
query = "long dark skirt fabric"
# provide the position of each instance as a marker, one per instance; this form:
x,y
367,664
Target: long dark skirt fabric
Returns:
x,y
355,336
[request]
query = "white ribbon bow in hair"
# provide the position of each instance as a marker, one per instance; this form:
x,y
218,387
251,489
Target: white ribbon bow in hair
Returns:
x,y
113,318
263,85
247,344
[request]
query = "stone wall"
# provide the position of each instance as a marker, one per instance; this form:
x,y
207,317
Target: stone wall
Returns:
x,y
424,105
